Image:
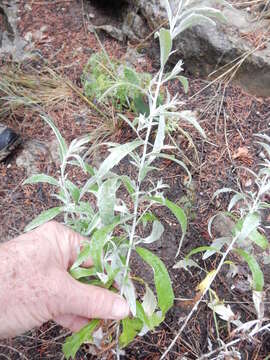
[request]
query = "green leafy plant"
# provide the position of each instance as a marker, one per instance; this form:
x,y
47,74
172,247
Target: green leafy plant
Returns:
x,y
110,224
102,72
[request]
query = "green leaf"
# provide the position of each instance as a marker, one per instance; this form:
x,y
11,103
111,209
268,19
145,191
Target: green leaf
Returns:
x,y
141,106
83,256
257,274
161,278
106,198
41,178
179,162
131,327
150,321
165,41
97,243
129,185
131,76
178,213
44,217
74,190
147,217
202,249
255,236
116,155
62,144
250,223
73,342
79,272
184,82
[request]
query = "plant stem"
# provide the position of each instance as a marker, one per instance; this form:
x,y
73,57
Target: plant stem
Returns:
x,y
138,187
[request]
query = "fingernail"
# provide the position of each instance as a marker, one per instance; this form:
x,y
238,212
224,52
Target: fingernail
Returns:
x,y
120,308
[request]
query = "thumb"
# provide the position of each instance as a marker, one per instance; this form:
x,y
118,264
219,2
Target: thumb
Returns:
x,y
92,302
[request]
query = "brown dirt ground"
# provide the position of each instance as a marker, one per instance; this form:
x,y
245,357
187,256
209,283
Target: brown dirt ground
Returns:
x,y
66,46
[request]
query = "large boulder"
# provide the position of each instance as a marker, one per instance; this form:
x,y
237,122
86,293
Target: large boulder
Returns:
x,y
206,48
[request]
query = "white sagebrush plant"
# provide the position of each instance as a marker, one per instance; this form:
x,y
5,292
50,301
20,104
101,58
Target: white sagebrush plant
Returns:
x,y
109,251
245,209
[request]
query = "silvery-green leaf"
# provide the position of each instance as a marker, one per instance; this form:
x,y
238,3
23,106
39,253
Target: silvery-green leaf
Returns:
x,y
251,223
73,189
184,82
223,190
266,148
116,155
44,217
80,162
41,178
168,9
159,141
234,200
149,303
156,233
130,295
62,144
185,264
191,20
179,162
207,11
103,277
217,244
224,312
258,301
145,170
106,198
190,117
165,45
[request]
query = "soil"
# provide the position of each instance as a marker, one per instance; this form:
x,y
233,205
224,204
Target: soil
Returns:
x,y
230,119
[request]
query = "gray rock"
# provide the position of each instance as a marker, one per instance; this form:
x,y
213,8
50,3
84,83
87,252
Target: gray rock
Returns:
x,y
206,49
10,40
32,153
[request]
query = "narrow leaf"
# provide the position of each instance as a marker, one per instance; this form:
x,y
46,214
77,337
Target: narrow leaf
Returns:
x,y
165,45
131,327
178,213
44,217
156,233
73,342
62,144
41,178
106,199
161,278
257,274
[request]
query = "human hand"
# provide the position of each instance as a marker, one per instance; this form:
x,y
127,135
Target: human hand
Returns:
x,y
35,285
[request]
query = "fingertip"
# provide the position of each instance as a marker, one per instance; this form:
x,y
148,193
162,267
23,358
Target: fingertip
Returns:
x,y
120,308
